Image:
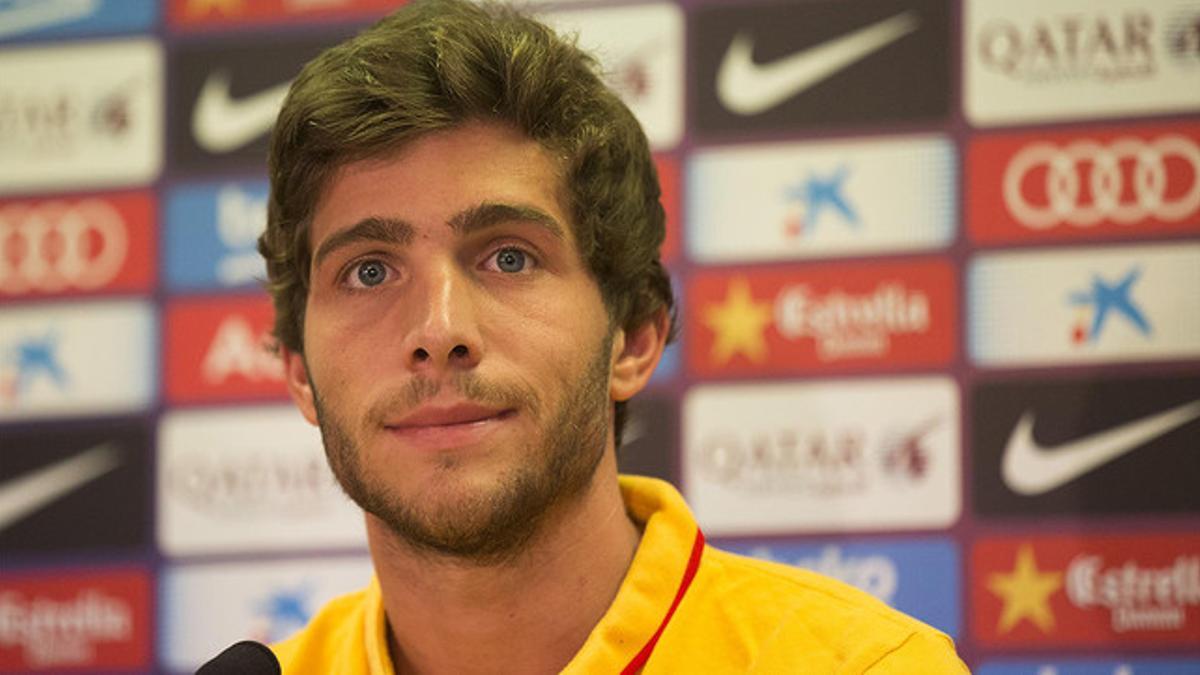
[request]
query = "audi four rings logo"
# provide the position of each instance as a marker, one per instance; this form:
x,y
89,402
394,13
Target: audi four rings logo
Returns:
x,y
1120,195
58,245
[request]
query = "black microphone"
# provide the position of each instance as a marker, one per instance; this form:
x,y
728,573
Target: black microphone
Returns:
x,y
243,658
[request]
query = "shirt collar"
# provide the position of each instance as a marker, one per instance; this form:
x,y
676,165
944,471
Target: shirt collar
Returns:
x,y
659,574
654,579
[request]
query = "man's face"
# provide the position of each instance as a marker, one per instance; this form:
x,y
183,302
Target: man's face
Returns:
x,y
457,351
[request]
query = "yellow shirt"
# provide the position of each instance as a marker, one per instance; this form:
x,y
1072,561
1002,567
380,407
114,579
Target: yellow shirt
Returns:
x,y
684,607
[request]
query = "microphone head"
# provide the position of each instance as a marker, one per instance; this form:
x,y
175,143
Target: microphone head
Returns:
x,y
243,658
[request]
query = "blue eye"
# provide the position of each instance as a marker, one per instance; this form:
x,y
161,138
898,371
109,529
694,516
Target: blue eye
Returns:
x,y
371,273
510,260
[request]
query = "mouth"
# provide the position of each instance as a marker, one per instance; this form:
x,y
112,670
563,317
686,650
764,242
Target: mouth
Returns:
x,y
453,425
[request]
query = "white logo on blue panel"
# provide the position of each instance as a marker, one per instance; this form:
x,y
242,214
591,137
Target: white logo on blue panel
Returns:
x,y
212,235
1093,667
917,577
41,19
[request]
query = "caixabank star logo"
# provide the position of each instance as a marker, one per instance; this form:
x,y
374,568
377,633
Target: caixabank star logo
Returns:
x,y
1084,305
1083,591
798,319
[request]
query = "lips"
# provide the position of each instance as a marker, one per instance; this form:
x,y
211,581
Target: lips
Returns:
x,y
440,416
455,427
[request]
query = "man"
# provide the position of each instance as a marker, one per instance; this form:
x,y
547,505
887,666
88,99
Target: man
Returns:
x,y
462,247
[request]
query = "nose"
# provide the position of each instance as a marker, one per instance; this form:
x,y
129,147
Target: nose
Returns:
x,y
443,331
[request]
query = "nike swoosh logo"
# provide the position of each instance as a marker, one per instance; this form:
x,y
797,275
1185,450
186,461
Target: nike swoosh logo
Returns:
x,y
25,494
25,17
748,88
1031,469
221,124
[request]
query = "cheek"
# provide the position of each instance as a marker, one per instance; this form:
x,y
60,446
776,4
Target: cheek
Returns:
x,y
346,329
543,357
340,367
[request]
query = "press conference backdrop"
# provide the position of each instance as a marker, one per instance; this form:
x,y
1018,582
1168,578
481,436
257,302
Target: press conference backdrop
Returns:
x,y
939,271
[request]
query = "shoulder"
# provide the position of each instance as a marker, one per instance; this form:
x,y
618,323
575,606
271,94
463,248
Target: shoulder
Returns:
x,y
332,641
787,615
795,591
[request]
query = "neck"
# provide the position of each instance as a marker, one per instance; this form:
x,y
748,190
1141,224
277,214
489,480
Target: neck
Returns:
x,y
528,614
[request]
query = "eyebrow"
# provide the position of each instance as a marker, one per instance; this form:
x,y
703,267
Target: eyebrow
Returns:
x,y
399,232
374,228
487,214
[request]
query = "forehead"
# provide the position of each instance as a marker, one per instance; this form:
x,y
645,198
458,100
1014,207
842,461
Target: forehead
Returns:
x,y
433,178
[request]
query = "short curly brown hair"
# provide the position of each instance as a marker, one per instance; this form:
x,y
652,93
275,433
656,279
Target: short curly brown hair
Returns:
x,y
437,64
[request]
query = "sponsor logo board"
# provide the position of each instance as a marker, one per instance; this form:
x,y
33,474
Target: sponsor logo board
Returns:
x,y
226,95
69,245
640,48
248,480
219,349
668,181
71,488
757,321
80,115
76,358
212,232
42,19
648,442
1026,61
1052,447
199,14
668,365
1061,306
75,619
1100,183
783,66
205,608
1074,590
918,577
1137,666
822,456
810,200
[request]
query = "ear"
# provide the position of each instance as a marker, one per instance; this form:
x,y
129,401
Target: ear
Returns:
x,y
296,375
636,354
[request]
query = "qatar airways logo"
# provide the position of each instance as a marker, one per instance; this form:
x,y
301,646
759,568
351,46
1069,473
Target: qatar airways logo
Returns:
x,y
1138,598
55,122
818,461
276,483
1063,47
80,114
61,634
845,325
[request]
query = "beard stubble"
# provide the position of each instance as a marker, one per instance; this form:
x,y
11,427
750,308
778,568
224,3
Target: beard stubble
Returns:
x,y
483,528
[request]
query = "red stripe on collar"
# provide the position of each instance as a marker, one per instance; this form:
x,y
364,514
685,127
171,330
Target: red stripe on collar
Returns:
x,y
688,574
